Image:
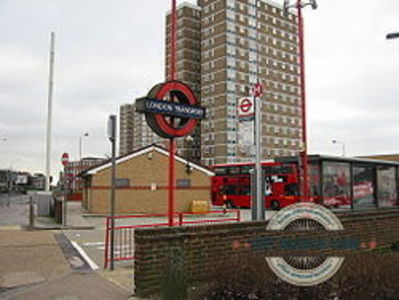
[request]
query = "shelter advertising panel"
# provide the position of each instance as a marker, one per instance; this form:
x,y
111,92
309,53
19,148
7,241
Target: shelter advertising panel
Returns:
x,y
363,186
336,184
386,183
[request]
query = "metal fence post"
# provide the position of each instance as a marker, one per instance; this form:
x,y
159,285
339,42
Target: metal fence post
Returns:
x,y
31,213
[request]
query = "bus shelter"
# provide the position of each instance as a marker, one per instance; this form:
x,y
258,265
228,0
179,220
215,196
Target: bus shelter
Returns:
x,y
352,183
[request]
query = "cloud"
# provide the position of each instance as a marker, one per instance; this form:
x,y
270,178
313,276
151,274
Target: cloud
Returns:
x,y
109,52
352,91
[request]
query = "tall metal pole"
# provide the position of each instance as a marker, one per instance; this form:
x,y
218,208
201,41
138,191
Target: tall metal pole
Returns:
x,y
80,147
305,185
172,143
49,114
258,166
112,138
67,186
86,134
260,215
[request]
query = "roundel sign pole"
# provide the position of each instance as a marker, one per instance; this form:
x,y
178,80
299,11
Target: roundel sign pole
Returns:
x,y
172,143
171,111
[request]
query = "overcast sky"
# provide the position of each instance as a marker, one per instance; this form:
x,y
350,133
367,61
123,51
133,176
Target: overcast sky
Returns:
x,y
109,52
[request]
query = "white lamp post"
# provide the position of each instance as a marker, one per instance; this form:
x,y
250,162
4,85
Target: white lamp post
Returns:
x,y
343,146
86,134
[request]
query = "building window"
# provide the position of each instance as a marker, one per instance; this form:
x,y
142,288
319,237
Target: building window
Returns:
x,y
183,183
230,3
231,86
230,15
122,182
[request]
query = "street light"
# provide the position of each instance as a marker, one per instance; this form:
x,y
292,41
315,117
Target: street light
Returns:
x,y
393,35
112,138
299,4
341,143
86,134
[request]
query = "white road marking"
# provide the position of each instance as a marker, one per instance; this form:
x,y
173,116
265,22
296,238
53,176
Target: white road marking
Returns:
x,y
88,244
91,263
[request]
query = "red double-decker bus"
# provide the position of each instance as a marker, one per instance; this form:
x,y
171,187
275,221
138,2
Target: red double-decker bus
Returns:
x,y
231,185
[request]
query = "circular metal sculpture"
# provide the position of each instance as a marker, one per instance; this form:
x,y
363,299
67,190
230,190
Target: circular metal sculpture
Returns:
x,y
304,271
171,109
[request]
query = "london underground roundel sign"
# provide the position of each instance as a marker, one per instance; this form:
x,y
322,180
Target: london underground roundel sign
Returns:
x,y
171,109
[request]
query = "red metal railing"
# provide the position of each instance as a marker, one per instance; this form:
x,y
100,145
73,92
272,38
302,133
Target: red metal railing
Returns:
x,y
124,234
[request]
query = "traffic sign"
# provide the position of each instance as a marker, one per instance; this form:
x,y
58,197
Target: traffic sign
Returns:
x,y
245,107
65,158
257,90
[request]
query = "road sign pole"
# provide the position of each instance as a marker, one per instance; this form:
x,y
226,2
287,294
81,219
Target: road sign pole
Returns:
x,y
112,137
259,210
64,203
65,161
172,144
171,187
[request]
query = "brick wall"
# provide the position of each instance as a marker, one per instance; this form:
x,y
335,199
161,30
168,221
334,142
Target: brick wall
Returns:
x,y
196,251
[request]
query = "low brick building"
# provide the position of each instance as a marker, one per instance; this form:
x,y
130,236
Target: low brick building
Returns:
x,y
142,183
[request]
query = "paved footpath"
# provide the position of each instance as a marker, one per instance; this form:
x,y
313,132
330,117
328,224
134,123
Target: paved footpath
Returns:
x,y
43,265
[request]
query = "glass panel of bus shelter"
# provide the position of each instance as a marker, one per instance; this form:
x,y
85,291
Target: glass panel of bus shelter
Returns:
x,y
314,181
336,184
363,186
386,183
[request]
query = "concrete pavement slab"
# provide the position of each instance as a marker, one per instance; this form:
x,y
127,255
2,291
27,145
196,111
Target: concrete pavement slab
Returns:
x,y
122,276
14,279
71,286
75,213
18,238
26,255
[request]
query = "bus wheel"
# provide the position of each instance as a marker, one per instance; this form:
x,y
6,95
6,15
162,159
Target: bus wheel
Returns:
x,y
275,205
